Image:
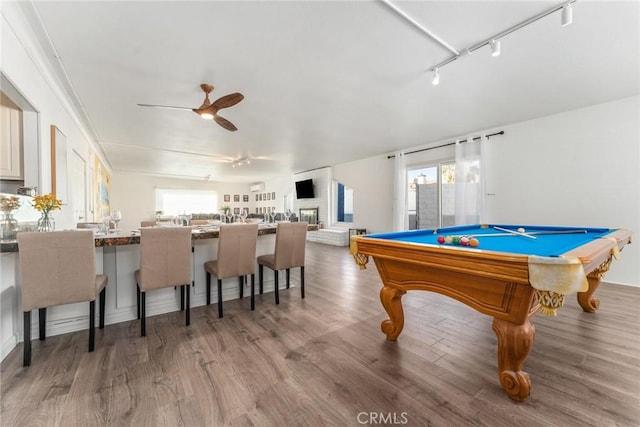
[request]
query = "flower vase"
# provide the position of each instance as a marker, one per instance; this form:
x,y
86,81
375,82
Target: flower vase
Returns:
x,y
46,223
9,226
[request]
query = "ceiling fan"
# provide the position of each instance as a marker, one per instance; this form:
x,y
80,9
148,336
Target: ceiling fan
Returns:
x,y
209,110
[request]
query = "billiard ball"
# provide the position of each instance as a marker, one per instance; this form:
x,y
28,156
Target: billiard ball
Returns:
x,y
448,240
473,242
441,239
456,240
520,230
464,241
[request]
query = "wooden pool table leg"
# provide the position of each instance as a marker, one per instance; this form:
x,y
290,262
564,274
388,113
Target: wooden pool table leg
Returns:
x,y
586,300
391,299
514,343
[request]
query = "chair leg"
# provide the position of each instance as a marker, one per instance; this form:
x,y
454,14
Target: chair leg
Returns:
x,y
253,289
260,272
103,297
208,288
288,275
143,320
241,282
138,295
187,290
42,326
26,344
181,297
302,281
276,286
92,325
220,298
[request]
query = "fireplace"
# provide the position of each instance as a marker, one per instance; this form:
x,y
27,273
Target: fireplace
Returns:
x,y
309,215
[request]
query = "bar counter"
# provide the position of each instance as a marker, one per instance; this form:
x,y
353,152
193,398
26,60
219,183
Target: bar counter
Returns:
x,y
133,237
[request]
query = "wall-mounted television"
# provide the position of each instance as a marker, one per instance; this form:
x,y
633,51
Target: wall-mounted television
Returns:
x,y
304,189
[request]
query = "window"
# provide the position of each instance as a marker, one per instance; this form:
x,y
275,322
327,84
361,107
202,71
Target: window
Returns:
x,y
344,203
431,196
174,202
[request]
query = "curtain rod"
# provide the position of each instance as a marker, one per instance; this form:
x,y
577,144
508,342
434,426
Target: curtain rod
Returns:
x,y
391,156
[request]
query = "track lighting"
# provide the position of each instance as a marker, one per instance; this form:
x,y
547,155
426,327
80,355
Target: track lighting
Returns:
x,y
494,41
566,17
495,47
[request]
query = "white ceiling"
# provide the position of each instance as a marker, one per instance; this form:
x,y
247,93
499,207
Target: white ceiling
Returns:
x,y
325,82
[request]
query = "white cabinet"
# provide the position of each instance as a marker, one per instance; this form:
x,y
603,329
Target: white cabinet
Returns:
x,y
11,152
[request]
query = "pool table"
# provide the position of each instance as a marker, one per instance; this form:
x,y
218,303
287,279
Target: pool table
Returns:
x,y
509,276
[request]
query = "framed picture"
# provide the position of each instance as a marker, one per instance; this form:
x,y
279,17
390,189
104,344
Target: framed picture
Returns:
x,y
236,197
245,198
58,164
227,197
236,211
273,195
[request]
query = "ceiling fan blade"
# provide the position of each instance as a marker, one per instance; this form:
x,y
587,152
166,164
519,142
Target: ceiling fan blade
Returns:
x,y
225,123
164,106
227,101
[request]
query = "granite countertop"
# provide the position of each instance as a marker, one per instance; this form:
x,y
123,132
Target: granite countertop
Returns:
x,y
133,237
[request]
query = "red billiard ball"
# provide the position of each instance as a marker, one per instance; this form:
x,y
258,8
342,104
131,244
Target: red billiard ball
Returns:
x,y
440,239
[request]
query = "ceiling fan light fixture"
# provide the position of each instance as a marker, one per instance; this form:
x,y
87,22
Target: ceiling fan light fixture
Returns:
x,y
206,116
436,77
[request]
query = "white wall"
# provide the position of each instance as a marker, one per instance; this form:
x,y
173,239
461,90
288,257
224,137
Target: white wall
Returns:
x,y
576,168
372,183
23,66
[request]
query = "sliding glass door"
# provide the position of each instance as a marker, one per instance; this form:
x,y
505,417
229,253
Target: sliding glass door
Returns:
x,y
431,196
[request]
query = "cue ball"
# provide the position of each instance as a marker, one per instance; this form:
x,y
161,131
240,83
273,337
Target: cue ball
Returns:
x,y
520,230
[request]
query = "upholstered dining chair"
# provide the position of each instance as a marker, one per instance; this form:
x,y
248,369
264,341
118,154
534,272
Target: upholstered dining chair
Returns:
x,y
236,258
165,261
58,268
199,222
147,223
291,239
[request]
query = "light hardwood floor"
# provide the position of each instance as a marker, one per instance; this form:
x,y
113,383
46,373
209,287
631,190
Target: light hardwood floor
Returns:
x,y
324,361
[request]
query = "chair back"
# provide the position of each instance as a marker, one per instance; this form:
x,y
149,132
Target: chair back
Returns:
x,y
147,223
88,225
165,257
57,268
237,250
199,222
291,239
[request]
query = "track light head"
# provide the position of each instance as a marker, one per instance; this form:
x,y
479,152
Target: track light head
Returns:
x,y
495,47
436,77
566,17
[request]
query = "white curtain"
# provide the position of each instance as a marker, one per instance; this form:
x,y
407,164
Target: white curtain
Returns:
x,y
400,193
470,191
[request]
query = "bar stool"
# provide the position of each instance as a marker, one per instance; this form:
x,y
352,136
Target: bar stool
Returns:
x,y
291,239
236,257
58,268
165,261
